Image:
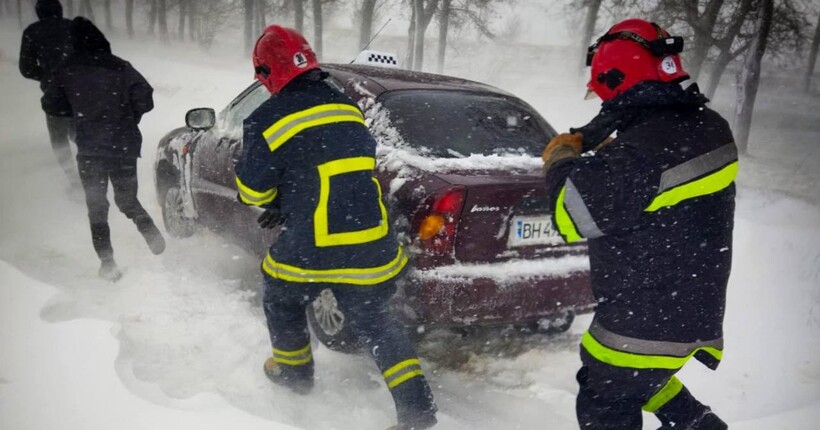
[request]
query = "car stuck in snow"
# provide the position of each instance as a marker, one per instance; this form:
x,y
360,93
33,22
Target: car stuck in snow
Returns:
x,y
458,162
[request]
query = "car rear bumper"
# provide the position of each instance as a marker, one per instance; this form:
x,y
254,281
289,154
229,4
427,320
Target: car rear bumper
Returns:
x,y
513,292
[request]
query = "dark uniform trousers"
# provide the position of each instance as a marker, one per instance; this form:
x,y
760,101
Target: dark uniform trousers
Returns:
x,y
368,317
59,131
95,174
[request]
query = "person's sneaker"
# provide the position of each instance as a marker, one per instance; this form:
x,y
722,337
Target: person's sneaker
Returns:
x,y
151,233
109,271
275,373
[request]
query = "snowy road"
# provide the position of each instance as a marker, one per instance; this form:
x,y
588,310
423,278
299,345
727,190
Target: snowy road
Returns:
x,y
180,340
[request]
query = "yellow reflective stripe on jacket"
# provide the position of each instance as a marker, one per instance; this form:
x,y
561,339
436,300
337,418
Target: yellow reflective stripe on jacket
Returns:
x,y
564,222
355,276
293,358
322,235
252,197
402,371
291,125
701,187
664,395
705,174
639,361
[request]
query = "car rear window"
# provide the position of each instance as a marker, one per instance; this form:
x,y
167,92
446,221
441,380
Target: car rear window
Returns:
x,y
455,124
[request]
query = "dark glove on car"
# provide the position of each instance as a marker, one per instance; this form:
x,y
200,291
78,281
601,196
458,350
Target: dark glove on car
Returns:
x,y
272,217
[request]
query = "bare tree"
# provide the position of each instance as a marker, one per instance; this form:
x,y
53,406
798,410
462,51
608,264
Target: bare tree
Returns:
x,y
422,14
183,11
587,32
86,10
162,19
152,16
260,17
443,28
366,14
249,22
749,76
192,20
317,27
730,44
812,57
129,17
69,8
299,15
20,13
107,10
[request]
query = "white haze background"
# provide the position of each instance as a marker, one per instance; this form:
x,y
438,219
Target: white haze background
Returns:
x,y
180,340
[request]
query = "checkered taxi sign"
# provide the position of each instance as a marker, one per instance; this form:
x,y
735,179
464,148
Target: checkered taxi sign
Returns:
x,y
377,59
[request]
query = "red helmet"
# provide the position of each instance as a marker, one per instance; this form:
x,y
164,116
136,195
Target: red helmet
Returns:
x,y
280,55
633,51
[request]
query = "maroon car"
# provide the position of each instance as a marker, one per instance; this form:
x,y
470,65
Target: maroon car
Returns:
x,y
459,164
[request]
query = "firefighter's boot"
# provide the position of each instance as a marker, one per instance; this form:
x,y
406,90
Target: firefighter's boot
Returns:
x,y
297,378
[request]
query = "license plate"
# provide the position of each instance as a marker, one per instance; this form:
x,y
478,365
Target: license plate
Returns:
x,y
533,230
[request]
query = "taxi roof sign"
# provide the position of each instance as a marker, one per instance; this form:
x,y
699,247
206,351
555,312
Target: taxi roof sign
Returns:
x,y
377,59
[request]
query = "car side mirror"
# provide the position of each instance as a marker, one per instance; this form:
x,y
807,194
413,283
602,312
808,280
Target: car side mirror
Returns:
x,y
200,118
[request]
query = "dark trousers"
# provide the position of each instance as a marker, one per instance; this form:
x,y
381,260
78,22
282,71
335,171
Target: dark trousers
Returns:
x,y
367,315
59,130
95,173
611,397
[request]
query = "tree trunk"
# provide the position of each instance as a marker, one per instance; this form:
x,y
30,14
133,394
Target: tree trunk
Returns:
x,y
366,27
261,13
20,13
152,17
162,19
248,26
299,15
86,10
129,17
812,57
69,9
424,14
411,37
107,9
317,28
589,29
703,26
192,20
749,76
183,10
443,28
718,68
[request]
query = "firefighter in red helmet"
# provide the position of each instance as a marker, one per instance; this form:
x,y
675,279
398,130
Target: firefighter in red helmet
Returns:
x,y
308,160
656,205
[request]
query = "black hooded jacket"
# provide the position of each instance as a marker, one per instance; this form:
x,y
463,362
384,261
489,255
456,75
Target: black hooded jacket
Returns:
x,y
46,43
103,93
657,208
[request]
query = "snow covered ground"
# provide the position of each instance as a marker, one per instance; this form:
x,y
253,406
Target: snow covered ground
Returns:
x,y
180,340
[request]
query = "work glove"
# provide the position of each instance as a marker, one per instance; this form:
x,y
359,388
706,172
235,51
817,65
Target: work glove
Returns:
x,y
565,145
272,217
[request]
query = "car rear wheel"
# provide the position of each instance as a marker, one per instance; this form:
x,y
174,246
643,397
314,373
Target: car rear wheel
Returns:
x,y
173,214
329,324
558,324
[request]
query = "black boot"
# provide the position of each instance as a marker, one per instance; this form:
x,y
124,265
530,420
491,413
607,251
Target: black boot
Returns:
x,y
707,421
299,380
151,233
101,239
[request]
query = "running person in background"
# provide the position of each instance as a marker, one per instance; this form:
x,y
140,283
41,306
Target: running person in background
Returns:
x,y
657,207
308,159
47,44
106,98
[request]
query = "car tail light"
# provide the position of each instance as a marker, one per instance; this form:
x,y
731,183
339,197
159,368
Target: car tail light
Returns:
x,y
436,231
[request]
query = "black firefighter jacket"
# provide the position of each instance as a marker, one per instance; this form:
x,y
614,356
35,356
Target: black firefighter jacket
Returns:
x,y
46,43
308,150
657,208
105,95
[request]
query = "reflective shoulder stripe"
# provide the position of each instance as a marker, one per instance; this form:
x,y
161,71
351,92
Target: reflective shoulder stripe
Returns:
x,y
580,213
291,125
563,220
252,197
354,276
402,371
672,388
623,351
700,176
